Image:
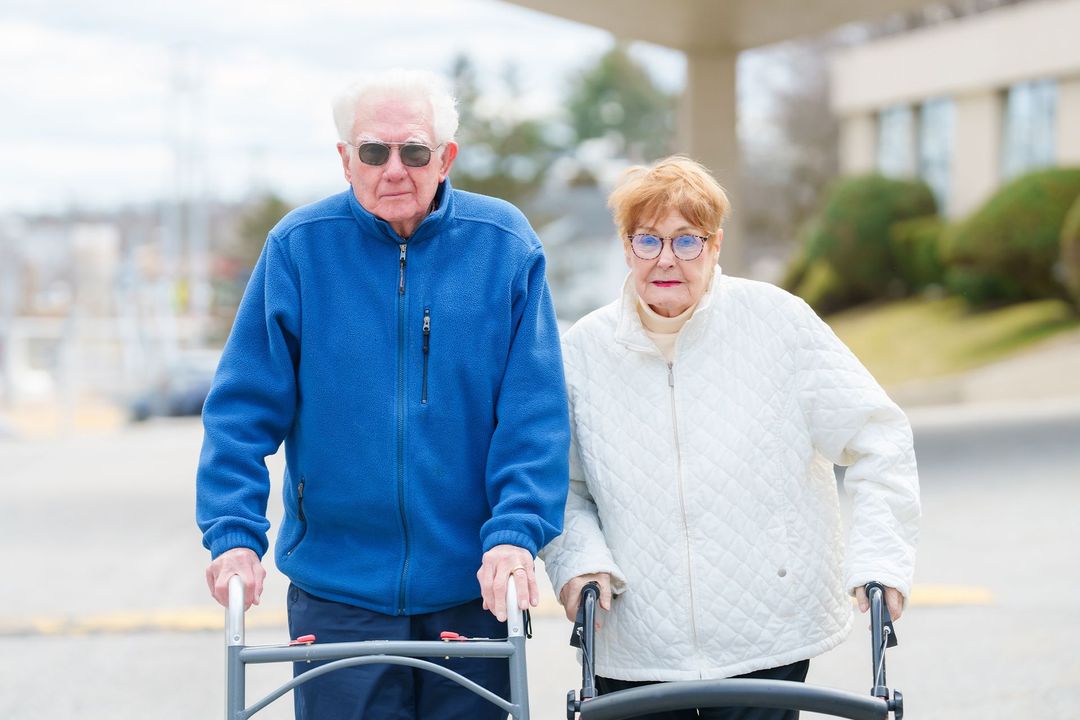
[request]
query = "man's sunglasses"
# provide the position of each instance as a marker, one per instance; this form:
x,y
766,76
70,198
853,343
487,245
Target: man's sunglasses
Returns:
x,y
412,154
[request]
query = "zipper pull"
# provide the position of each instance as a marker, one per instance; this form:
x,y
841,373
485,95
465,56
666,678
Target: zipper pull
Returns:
x,y
401,279
427,328
671,374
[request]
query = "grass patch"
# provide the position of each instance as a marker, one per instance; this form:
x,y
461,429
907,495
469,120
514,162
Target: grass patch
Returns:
x,y
919,338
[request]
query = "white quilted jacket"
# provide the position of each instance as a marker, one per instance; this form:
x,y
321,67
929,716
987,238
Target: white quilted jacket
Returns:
x,y
706,488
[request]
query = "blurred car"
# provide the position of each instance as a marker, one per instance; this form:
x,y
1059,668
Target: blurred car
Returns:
x,y
180,389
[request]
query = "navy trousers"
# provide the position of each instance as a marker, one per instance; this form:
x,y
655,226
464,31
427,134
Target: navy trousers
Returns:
x,y
395,692
795,672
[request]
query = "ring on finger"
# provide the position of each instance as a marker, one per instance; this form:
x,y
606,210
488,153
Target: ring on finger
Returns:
x,y
516,568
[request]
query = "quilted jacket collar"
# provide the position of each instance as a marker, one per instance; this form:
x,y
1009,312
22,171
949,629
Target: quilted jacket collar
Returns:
x,y
630,332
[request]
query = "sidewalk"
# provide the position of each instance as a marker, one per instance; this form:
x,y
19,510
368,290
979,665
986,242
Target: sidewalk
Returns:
x,y
1047,375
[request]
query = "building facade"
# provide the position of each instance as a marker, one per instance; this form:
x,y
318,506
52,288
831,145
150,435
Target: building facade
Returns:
x,y
967,104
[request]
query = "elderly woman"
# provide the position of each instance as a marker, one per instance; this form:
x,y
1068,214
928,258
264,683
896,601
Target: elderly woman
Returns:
x,y
707,412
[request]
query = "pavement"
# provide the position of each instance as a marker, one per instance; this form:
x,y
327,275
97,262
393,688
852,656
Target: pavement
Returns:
x,y
1047,373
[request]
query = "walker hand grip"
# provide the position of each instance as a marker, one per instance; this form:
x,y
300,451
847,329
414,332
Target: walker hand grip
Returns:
x,y
583,636
882,635
515,616
234,615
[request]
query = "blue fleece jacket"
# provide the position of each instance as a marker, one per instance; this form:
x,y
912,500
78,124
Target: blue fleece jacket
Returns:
x,y
418,387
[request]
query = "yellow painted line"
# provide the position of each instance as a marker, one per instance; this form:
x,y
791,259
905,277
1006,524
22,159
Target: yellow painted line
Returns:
x,y
176,620
210,619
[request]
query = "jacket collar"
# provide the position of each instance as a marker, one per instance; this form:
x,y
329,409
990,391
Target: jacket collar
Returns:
x,y
371,225
628,328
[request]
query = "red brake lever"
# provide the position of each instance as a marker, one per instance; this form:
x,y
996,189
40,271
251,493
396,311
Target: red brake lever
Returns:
x,y
450,635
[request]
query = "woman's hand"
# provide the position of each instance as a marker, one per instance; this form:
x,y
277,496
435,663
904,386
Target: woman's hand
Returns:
x,y
570,595
893,600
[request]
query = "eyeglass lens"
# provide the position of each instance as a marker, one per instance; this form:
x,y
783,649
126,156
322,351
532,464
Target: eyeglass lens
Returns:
x,y
412,154
685,247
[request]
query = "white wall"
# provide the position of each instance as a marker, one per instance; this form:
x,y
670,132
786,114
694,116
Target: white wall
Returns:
x,y
973,60
994,49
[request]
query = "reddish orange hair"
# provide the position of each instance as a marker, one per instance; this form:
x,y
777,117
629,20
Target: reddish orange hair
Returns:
x,y
674,183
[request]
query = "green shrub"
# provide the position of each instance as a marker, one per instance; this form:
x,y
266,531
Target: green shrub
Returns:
x,y
982,288
1013,241
798,263
823,288
1070,251
795,271
853,233
916,249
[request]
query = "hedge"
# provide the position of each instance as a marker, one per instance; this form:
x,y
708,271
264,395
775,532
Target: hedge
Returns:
x,y
853,230
1013,242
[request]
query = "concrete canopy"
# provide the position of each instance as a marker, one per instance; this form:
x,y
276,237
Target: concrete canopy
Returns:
x,y
697,25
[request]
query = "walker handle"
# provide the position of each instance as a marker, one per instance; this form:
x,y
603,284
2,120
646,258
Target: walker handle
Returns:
x,y
583,636
882,635
234,615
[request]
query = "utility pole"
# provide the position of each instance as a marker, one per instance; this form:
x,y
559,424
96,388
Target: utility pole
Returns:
x,y
185,242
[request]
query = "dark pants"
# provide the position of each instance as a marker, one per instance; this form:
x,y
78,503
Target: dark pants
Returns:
x,y
795,672
395,692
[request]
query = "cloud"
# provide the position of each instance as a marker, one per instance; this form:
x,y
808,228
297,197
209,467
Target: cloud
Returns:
x,y
106,93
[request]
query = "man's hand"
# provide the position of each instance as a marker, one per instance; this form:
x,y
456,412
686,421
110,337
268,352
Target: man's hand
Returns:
x,y
501,563
893,600
570,595
238,561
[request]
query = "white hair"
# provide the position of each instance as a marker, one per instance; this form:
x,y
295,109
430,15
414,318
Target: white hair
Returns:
x,y
398,84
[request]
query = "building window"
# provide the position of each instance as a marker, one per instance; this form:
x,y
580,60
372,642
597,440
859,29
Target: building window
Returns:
x,y
936,122
1028,138
896,142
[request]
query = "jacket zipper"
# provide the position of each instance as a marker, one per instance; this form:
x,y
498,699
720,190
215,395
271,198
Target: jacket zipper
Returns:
x,y
682,506
300,500
300,516
401,427
427,347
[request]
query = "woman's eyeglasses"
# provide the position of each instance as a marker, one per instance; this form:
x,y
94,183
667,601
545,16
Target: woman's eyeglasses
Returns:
x,y
685,247
412,154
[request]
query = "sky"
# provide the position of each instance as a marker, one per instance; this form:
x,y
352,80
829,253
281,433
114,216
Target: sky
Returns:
x,y
99,95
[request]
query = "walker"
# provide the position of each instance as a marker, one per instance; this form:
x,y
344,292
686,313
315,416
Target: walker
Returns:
x,y
778,694
350,654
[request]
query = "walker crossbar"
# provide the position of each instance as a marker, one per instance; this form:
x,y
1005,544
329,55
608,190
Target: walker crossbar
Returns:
x,y
351,654
779,694
737,692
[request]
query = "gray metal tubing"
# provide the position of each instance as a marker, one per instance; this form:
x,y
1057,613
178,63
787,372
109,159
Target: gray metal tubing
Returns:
x,y
381,660
234,642
371,652
401,648
235,692
519,679
779,694
515,630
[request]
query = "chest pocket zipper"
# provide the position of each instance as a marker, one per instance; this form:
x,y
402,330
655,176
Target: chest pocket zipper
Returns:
x,y
300,517
427,352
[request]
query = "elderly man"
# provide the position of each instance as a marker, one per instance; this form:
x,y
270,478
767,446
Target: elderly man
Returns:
x,y
399,337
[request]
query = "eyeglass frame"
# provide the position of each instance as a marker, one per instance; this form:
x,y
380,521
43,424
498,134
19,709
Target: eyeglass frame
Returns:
x,y
671,241
390,151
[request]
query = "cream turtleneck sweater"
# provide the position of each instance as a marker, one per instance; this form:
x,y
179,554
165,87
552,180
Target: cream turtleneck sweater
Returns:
x,y
663,331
